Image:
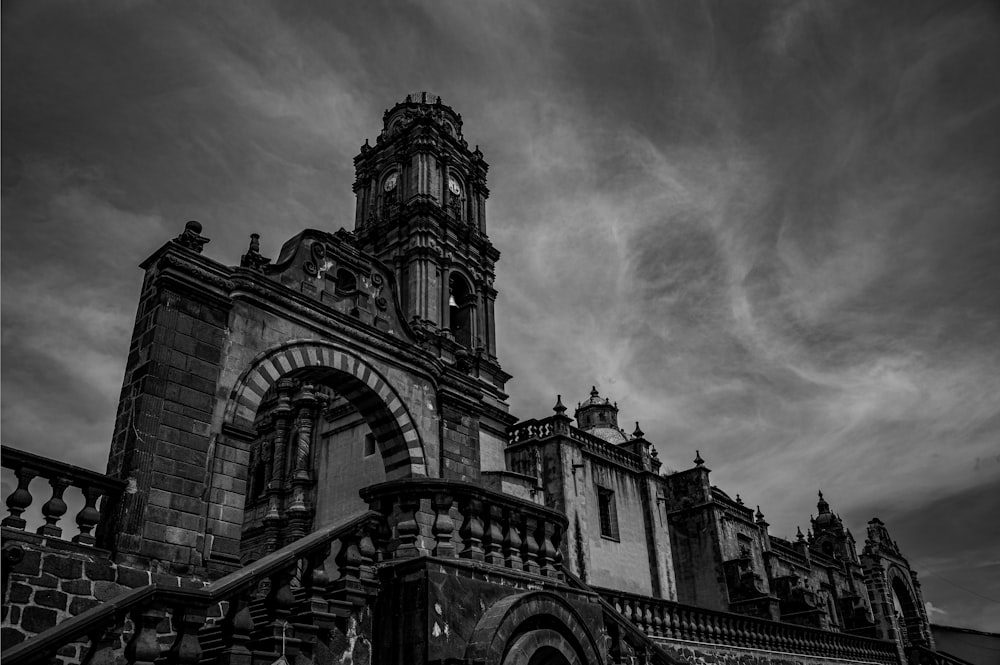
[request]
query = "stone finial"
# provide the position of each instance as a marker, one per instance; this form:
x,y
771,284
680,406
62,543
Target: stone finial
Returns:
x,y
559,408
798,535
638,433
739,500
759,516
698,461
191,237
253,259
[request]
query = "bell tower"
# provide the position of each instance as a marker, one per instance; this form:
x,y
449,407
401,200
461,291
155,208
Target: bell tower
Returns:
x,y
421,209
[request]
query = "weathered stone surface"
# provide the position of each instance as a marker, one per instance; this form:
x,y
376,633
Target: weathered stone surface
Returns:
x,y
37,619
51,598
99,570
107,590
9,637
46,580
77,587
63,566
132,578
29,564
78,605
19,593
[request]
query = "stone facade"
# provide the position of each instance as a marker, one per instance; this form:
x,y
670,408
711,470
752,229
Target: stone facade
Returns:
x,y
313,456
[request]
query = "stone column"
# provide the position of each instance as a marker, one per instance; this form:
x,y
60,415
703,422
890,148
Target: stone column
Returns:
x,y
277,485
299,510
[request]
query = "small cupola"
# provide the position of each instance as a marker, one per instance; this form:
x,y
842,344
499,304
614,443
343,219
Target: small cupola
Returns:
x,y
599,416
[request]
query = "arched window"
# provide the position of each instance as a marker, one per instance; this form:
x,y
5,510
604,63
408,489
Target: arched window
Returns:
x,y
462,309
346,282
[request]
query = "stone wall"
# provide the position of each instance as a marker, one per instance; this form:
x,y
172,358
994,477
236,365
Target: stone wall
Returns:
x,y
47,582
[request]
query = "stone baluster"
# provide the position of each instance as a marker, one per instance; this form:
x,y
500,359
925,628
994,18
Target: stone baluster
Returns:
x,y
472,529
144,647
512,541
407,529
444,526
368,549
687,628
557,559
627,610
493,536
735,638
279,603
546,553
54,508
647,616
237,626
529,550
713,628
88,517
656,619
19,499
349,561
317,579
106,642
186,649
675,625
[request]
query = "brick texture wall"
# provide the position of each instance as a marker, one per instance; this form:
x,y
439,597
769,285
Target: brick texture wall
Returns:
x,y
161,437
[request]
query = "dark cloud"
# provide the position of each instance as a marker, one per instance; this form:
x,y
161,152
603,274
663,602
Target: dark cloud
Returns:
x,y
768,230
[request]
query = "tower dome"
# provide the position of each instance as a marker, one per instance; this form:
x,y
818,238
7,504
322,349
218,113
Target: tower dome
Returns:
x,y
598,416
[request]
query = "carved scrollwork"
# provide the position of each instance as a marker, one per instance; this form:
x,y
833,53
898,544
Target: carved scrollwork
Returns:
x,y
310,268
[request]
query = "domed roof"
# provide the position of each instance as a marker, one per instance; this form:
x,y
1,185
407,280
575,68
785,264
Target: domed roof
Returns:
x,y
609,434
824,519
594,400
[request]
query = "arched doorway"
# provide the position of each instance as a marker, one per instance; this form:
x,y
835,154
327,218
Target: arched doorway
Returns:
x,y
541,647
533,628
324,424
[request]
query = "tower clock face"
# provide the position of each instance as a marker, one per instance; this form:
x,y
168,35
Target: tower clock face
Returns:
x,y
390,183
453,186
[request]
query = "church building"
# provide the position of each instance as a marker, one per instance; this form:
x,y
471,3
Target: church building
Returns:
x,y
314,459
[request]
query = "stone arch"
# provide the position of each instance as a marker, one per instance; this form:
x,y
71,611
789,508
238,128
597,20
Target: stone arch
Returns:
x,y
911,620
356,380
532,628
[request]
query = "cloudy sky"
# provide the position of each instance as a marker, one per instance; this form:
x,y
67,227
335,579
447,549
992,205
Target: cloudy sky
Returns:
x,y
768,230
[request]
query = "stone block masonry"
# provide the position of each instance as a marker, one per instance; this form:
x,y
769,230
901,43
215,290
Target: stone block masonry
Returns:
x,y
161,438
47,582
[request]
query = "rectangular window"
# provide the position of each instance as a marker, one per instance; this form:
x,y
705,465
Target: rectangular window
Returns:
x,y
609,513
369,445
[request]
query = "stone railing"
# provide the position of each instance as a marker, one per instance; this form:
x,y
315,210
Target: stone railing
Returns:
x,y
664,619
530,430
158,623
598,447
27,466
451,519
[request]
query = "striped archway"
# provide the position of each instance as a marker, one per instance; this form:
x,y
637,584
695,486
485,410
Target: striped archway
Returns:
x,y
353,378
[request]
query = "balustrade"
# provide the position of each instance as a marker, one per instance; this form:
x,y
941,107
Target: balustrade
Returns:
x,y
301,601
492,528
664,619
60,476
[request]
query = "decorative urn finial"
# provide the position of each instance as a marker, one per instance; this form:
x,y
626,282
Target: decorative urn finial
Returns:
x,y
559,408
